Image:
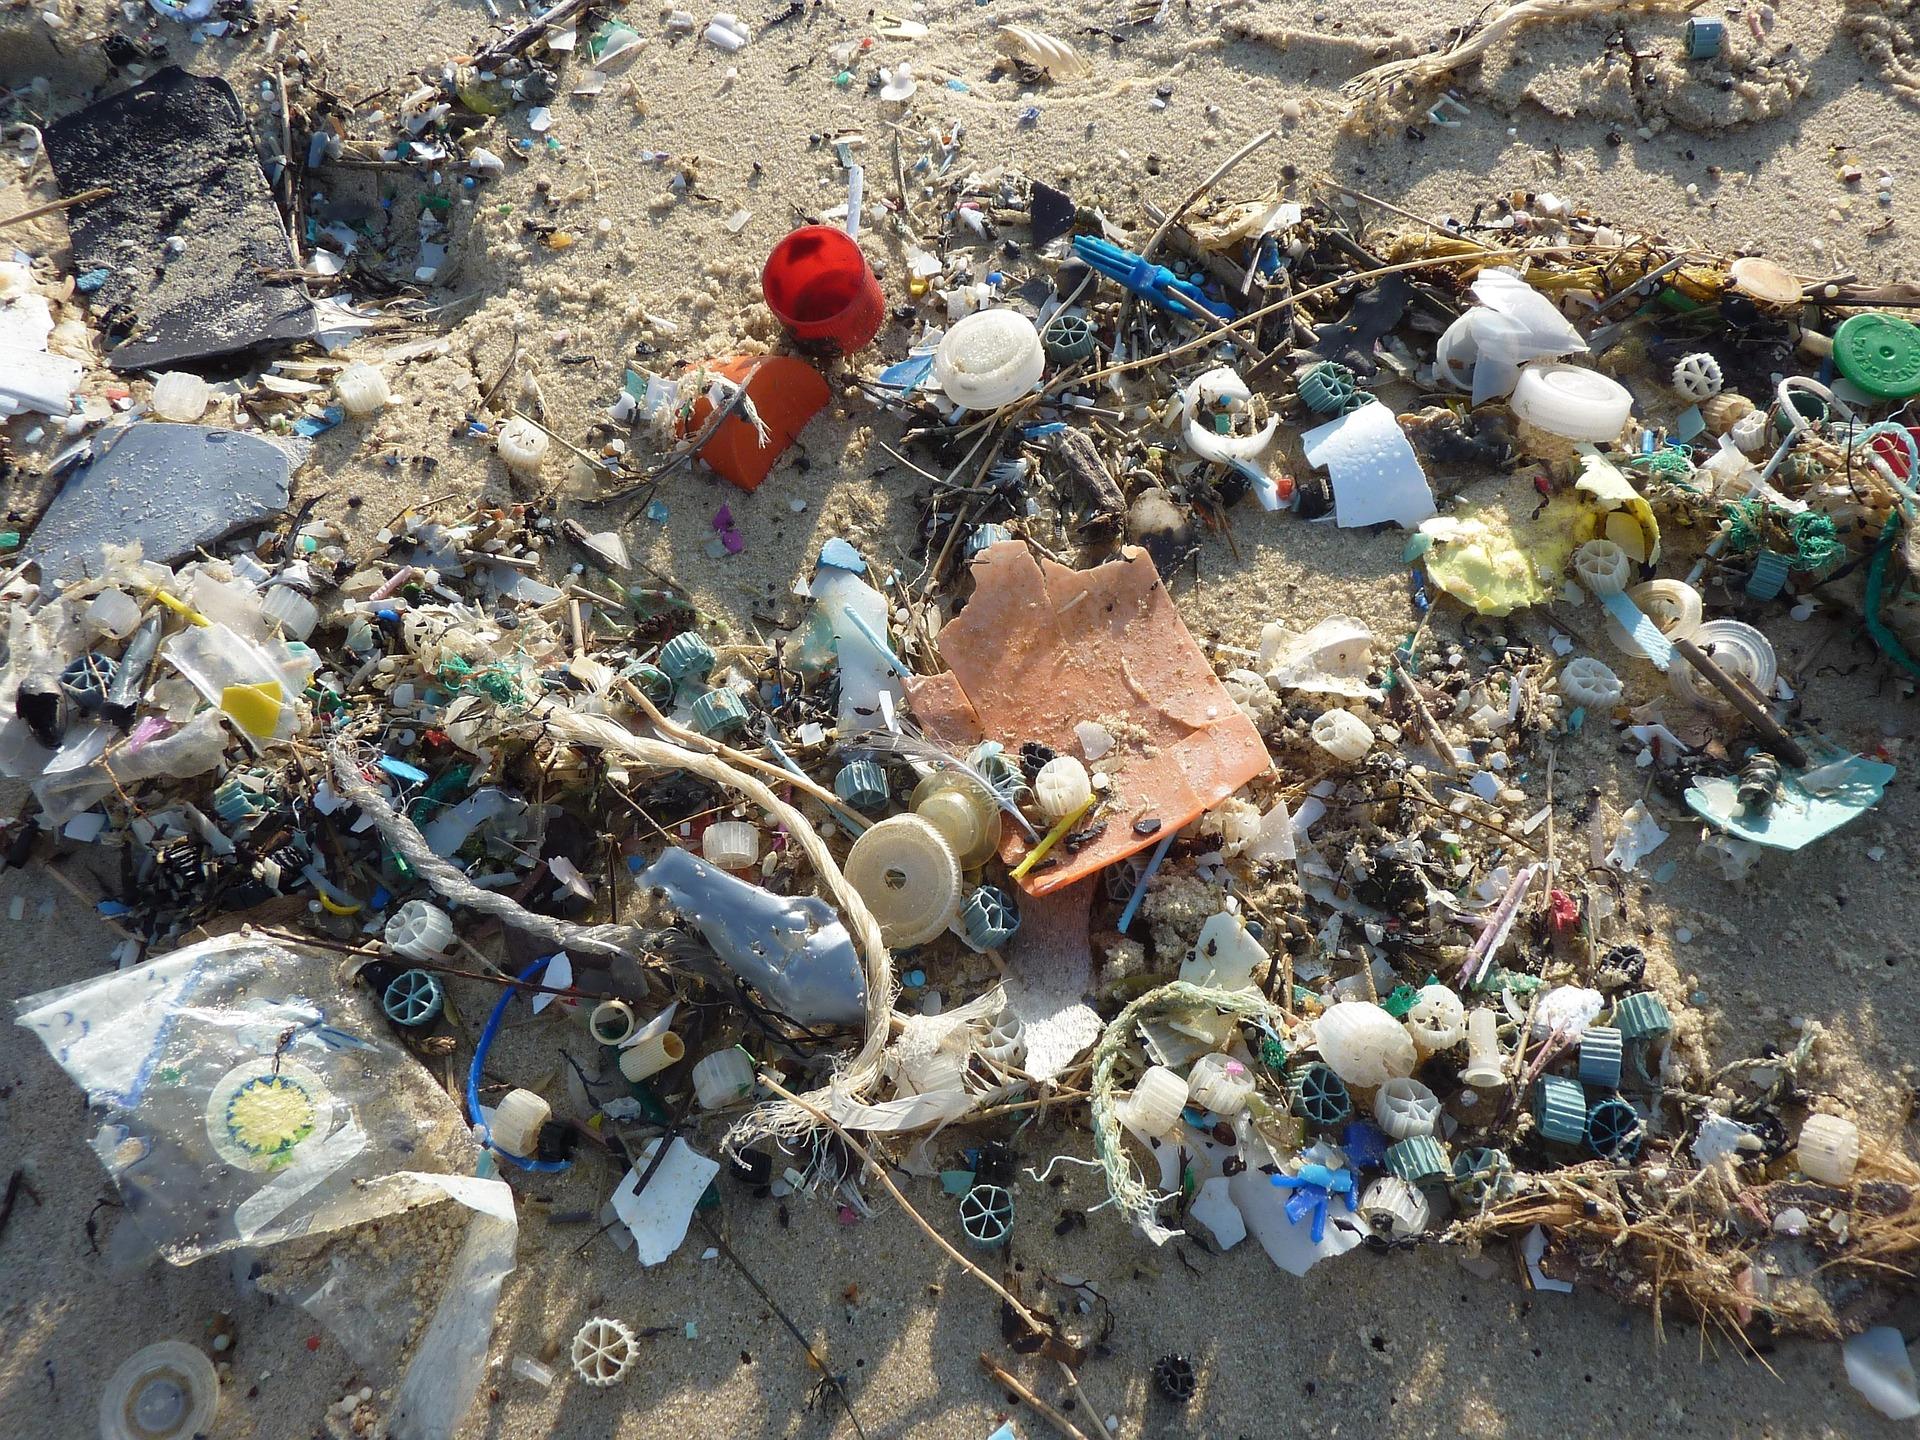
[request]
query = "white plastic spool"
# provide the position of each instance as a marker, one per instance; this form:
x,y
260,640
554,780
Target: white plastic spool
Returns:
x,y
1155,1105
516,1123
419,931
1737,648
1221,1084
909,876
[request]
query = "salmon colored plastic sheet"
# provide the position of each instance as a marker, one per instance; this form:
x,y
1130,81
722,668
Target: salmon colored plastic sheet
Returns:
x,y
1040,648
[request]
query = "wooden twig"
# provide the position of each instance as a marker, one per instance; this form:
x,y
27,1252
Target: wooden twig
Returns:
x,y
1031,1320
1060,1422
85,197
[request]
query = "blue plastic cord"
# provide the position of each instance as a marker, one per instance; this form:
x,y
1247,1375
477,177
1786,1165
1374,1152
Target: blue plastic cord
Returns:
x,y
544,1167
1146,879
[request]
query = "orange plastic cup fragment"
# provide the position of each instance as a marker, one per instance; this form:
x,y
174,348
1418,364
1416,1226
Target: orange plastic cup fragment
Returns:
x,y
1040,648
786,392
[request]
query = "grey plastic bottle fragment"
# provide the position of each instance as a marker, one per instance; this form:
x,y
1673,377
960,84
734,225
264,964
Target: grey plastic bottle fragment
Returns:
x,y
793,949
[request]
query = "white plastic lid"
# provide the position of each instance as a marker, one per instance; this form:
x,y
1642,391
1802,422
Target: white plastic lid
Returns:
x,y
167,1391
909,876
1571,401
989,359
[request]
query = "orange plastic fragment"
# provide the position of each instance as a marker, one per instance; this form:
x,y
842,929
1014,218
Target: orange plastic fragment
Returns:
x,y
1040,648
786,392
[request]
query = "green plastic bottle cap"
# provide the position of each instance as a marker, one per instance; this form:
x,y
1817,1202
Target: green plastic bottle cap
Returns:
x,y
1880,354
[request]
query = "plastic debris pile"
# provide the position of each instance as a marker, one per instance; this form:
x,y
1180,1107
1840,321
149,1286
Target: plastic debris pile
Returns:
x,y
1295,938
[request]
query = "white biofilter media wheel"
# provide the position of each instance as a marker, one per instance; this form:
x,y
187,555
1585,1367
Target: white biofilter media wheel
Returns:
x,y
1363,1043
603,1351
1602,566
1394,1209
419,931
1585,681
1697,376
1403,1108
1437,1021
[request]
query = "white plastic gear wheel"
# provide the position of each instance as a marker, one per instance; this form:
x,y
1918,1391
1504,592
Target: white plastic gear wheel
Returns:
x,y
603,1351
1602,566
1589,682
1697,376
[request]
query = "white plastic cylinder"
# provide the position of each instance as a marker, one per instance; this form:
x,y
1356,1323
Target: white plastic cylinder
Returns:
x,y
1486,1066
291,611
361,390
1155,1105
1363,1044
516,1122
1403,1108
1829,1149
1343,735
1589,682
419,931
989,359
1221,1084
1062,787
909,876
180,396
114,613
652,1055
1602,566
1395,1209
723,1078
1437,1020
523,446
731,844
612,1022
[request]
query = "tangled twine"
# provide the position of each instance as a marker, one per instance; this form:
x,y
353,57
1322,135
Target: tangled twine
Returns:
x,y
1124,1183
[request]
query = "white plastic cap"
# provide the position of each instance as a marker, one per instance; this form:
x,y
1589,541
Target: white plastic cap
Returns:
x,y
723,1078
1155,1105
731,844
516,1123
989,359
180,396
1829,1149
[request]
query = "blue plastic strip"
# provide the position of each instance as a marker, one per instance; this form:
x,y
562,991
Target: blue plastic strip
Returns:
x,y
544,1167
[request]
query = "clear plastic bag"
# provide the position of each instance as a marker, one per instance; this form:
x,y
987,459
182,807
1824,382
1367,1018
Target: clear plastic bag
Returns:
x,y
242,1096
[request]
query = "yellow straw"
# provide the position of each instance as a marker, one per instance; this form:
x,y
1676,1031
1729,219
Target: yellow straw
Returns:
x,y
1053,837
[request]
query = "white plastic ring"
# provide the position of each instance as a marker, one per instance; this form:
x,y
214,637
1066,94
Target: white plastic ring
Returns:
x,y
1673,606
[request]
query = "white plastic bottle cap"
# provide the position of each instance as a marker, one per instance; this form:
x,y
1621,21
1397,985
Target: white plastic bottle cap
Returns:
x,y
1221,1084
909,876
167,1391
723,1078
1062,787
643,1058
523,446
1674,607
731,844
1395,1209
1571,401
1586,681
419,931
1157,1100
1737,648
612,1022
1829,1149
1403,1108
361,390
516,1123
1602,566
1437,1020
180,396
1343,735
962,811
1363,1044
989,359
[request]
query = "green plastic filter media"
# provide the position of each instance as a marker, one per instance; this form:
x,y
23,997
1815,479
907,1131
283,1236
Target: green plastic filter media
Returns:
x,y
1880,354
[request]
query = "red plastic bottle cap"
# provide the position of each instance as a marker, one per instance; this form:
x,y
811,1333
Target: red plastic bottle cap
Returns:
x,y
820,287
1894,453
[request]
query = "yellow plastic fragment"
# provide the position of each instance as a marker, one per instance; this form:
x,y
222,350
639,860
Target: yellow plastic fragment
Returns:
x,y
254,708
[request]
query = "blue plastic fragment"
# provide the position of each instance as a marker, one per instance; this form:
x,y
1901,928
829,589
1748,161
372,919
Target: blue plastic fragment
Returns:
x,y
401,770
842,556
310,425
92,280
